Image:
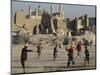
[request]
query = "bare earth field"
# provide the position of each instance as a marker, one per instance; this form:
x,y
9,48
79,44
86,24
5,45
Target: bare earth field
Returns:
x,y
46,63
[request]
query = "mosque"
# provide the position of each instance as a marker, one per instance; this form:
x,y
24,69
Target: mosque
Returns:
x,y
41,21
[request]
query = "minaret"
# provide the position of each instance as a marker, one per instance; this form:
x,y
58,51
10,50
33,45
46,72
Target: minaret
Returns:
x,y
29,11
39,10
52,25
51,9
61,11
86,20
39,6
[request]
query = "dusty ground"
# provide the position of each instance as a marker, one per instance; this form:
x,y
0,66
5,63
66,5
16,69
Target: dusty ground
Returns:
x,y
46,63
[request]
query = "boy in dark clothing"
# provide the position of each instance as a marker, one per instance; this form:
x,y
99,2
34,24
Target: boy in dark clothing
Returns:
x,y
78,48
55,52
24,56
39,50
86,56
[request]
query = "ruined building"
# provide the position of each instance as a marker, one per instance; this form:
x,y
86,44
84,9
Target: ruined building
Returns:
x,y
40,21
77,25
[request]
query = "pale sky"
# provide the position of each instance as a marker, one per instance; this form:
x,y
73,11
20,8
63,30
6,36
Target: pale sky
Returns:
x,y
70,11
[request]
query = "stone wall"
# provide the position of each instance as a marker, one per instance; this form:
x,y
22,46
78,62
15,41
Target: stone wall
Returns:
x,y
30,23
62,25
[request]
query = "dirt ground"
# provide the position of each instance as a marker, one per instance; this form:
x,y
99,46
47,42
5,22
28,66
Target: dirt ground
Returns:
x,y
46,63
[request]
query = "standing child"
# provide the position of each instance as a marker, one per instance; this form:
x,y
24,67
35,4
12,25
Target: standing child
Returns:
x,y
39,50
86,56
78,48
24,56
55,52
70,56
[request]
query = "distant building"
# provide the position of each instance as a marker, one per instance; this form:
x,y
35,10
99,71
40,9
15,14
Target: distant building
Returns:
x,y
78,25
92,21
33,19
92,24
41,21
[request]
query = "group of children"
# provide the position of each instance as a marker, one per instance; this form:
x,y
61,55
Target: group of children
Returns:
x,y
55,50
71,55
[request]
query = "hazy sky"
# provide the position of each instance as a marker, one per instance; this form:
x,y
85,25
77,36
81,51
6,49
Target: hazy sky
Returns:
x,y
70,11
